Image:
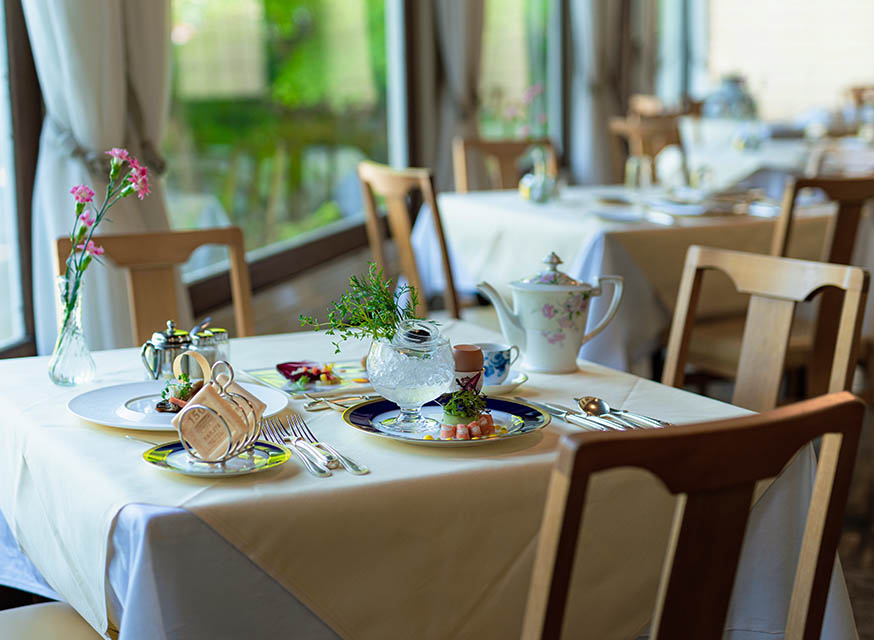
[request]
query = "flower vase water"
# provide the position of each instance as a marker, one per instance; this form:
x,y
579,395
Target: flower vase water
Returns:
x,y
71,361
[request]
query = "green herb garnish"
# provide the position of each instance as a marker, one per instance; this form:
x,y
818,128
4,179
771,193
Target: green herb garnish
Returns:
x,y
180,388
466,403
367,309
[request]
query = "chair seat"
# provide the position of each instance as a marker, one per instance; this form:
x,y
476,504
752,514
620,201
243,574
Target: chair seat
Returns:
x,y
715,344
46,621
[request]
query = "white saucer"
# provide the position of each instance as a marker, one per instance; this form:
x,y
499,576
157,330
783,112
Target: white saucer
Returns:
x,y
513,380
132,405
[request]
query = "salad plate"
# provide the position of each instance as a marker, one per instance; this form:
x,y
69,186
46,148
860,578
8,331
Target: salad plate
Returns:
x,y
350,378
513,380
132,405
173,457
512,419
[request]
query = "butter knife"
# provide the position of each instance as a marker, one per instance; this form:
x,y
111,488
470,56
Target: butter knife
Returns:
x,y
567,416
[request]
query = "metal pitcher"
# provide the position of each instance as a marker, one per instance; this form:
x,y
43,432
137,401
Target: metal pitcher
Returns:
x,y
159,353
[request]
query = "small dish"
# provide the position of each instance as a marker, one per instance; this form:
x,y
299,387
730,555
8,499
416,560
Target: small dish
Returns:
x,y
353,379
516,419
132,405
173,457
513,380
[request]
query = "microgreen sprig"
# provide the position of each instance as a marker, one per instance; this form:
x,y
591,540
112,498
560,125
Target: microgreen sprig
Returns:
x,y
367,309
465,403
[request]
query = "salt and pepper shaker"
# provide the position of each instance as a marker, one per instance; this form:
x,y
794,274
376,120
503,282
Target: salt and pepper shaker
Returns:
x,y
468,367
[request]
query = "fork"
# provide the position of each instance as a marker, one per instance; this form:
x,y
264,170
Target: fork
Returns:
x,y
272,434
301,430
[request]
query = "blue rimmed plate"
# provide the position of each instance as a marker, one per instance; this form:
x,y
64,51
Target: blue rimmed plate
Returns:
x,y
174,457
512,418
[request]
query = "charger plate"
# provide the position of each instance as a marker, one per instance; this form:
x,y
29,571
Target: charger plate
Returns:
x,y
173,457
132,405
516,419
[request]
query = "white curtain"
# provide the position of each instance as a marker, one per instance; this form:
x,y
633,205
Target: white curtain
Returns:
x,y
103,67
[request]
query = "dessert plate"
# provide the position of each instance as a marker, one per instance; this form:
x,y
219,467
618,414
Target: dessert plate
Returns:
x,y
513,380
132,405
512,418
173,457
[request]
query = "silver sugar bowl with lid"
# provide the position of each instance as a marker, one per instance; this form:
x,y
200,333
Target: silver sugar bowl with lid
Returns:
x,y
161,350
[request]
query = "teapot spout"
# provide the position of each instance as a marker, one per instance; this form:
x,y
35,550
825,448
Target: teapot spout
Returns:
x,y
511,326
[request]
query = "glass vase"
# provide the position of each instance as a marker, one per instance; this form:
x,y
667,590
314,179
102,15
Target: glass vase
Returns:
x,y
71,362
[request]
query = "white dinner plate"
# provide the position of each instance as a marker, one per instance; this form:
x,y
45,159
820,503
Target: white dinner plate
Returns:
x,y
132,405
513,380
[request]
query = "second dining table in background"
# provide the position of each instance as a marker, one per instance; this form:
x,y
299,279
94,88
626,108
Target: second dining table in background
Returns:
x,y
497,236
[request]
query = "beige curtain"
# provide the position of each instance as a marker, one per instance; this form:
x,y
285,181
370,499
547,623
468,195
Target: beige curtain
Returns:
x,y
613,54
103,68
447,42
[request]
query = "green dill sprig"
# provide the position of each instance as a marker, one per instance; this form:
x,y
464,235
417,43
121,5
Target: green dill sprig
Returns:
x,y
180,388
466,403
367,309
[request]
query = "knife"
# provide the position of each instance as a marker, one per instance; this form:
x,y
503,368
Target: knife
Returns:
x,y
614,425
568,416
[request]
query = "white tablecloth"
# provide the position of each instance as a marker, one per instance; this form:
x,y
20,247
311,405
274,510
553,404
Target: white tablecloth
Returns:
x,y
167,574
498,237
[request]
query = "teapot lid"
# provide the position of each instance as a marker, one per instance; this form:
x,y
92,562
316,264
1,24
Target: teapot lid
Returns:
x,y
170,338
551,275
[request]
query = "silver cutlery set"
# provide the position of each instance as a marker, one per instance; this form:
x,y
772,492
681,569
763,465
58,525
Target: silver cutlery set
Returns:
x,y
596,415
319,458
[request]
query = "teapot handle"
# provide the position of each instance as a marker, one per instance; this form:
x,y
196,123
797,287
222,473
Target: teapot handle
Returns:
x,y
618,282
152,367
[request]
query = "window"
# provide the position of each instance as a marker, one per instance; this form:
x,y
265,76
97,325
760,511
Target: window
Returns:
x,y
274,104
12,328
513,69
795,56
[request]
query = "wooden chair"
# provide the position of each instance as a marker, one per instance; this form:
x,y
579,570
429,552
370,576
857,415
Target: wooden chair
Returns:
x,y
46,621
504,154
716,347
394,185
775,286
714,467
647,136
149,259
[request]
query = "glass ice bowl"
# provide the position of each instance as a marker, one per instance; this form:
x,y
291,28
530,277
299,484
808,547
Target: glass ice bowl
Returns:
x,y
414,368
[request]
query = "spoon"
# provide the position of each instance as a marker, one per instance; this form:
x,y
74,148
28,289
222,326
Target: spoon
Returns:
x,y
594,406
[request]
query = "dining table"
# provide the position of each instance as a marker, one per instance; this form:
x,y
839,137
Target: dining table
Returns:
x,y
642,235
435,542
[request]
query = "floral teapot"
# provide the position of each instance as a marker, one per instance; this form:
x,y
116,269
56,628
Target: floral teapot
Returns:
x,y
548,319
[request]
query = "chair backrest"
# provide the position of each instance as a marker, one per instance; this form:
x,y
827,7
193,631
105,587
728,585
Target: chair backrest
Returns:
x,y
715,466
149,260
504,154
394,186
850,194
647,136
775,286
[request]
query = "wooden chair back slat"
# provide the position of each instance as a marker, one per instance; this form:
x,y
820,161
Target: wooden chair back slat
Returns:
x,y
394,186
850,194
648,135
149,260
775,285
504,154
715,466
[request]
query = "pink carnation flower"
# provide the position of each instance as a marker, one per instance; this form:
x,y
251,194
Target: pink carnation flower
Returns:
x,y
87,218
82,193
91,248
139,178
118,154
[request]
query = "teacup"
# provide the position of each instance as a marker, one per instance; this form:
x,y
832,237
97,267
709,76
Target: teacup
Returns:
x,y
497,360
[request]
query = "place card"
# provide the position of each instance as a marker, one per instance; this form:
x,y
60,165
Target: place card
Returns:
x,y
204,431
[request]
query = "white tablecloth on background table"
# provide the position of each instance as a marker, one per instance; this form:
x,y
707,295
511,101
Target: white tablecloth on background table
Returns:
x,y
499,237
376,556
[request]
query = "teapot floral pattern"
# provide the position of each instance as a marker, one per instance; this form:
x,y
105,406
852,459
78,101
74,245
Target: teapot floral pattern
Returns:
x,y
574,305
